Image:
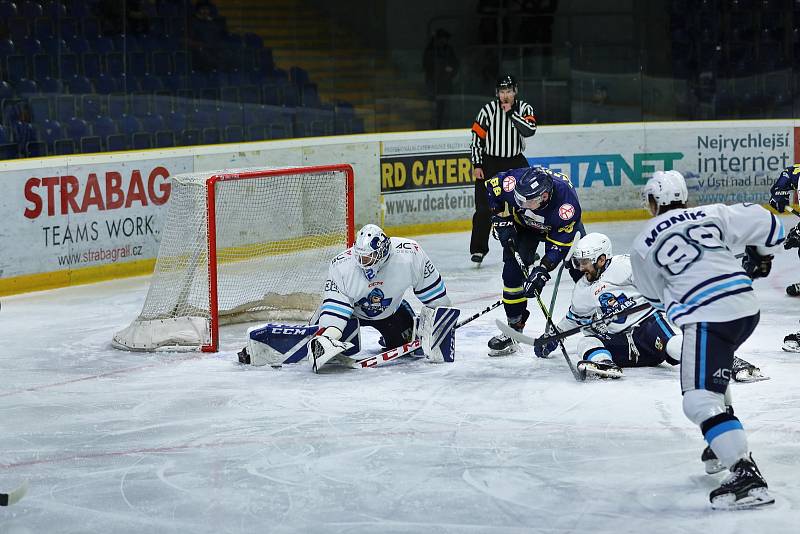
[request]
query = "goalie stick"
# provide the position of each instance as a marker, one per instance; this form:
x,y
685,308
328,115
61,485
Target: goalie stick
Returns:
x,y
7,499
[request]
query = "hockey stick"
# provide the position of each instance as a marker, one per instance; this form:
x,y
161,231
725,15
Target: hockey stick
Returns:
x,y
578,376
487,309
561,270
7,499
389,355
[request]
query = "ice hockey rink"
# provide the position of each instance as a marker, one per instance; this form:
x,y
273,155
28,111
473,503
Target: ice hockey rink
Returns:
x,y
120,442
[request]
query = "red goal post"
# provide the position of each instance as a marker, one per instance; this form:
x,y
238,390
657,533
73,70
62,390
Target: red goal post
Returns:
x,y
242,245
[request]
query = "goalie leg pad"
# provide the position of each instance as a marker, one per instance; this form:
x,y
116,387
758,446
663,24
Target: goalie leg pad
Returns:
x,y
276,344
437,333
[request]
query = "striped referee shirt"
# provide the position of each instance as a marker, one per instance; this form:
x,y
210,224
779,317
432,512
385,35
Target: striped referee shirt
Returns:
x,y
499,133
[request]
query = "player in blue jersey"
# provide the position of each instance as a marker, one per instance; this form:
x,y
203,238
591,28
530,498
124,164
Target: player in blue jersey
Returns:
x,y
531,205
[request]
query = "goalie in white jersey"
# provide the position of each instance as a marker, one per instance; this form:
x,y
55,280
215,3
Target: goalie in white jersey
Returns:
x,y
365,287
639,339
682,263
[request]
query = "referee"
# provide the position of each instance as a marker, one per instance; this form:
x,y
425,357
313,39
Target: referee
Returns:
x,y
497,145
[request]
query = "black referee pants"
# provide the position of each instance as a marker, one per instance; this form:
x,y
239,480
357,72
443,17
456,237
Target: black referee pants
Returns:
x,y
482,218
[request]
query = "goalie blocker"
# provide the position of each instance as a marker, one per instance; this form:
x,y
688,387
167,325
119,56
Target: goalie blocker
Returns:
x,y
277,344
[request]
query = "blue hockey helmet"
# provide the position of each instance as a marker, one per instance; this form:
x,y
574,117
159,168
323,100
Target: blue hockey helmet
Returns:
x,y
371,249
531,187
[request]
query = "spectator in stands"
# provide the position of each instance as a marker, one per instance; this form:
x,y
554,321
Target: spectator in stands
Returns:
x,y
206,38
441,66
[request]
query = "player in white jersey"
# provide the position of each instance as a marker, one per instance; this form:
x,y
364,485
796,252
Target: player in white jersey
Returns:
x,y
365,287
682,263
640,339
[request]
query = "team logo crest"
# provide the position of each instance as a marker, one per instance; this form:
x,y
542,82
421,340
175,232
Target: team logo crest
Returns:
x,y
566,211
374,303
509,183
610,303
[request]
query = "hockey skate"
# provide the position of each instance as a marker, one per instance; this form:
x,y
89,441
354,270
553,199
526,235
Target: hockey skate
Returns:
x,y
501,344
744,371
711,462
600,369
477,258
791,343
793,290
743,488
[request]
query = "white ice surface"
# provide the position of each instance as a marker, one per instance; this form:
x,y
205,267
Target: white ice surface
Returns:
x,y
124,442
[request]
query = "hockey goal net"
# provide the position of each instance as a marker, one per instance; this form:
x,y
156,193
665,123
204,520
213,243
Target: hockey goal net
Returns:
x,y
242,245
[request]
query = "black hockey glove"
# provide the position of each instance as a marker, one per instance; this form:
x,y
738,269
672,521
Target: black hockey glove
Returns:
x,y
505,231
754,264
544,350
536,281
792,238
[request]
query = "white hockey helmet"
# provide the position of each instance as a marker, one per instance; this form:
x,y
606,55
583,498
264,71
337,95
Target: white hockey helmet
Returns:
x,y
590,247
665,187
371,249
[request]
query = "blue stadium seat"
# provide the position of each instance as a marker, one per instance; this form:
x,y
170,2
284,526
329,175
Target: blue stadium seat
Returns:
x,y
211,136
29,46
77,44
142,140
229,94
117,106
92,65
164,139
105,84
76,128
54,9
50,131
67,67
16,68
30,10
151,84
162,105
5,90
79,84
68,26
42,66
162,63
257,132
137,64
23,133
103,126
115,64
92,105
152,122
8,151
26,87
139,104
5,137
41,108
180,63
8,10
35,149
102,44
65,107
234,134
7,47
176,121
43,28
189,137
91,144
249,94
174,82
53,45
18,31
64,147
117,142
91,27
51,85
128,124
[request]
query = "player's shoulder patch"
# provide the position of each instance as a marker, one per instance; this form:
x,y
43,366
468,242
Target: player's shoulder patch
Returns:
x,y
509,183
566,211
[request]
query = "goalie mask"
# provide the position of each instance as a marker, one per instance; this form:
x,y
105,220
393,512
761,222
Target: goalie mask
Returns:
x,y
371,249
588,250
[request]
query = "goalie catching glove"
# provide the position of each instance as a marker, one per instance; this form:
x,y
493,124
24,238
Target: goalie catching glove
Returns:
x,y
436,330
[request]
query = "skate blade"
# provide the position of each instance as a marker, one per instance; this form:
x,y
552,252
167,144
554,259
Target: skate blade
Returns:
x,y
591,371
713,467
503,352
793,347
755,498
749,376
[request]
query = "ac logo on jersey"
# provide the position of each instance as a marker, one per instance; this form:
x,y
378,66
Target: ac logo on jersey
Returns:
x,y
509,183
566,211
374,303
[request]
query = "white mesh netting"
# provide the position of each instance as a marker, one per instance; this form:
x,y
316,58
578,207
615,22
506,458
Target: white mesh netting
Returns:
x,y
276,232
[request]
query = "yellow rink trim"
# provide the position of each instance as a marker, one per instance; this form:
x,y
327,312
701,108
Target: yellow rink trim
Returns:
x,y
98,273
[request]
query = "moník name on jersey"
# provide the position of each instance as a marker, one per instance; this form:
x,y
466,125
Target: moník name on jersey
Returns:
x,y
374,303
610,303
